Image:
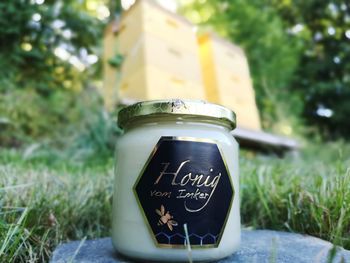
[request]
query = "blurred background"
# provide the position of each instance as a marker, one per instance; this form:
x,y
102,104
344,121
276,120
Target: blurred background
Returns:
x,y
51,73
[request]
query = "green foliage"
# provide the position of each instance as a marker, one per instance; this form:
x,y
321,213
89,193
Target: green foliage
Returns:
x,y
273,55
30,116
31,36
116,61
69,126
323,76
97,138
46,100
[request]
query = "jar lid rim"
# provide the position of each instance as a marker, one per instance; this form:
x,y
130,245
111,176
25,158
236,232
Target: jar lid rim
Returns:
x,y
177,107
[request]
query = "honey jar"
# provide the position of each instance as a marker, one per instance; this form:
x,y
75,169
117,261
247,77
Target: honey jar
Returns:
x,y
176,193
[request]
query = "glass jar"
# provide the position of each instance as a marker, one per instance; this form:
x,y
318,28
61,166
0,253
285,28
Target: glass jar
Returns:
x,y
176,182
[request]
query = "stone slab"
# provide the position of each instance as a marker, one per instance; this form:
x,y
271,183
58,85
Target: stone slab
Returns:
x,y
257,246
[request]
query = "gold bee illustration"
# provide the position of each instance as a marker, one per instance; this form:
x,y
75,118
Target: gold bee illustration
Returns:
x,y
165,218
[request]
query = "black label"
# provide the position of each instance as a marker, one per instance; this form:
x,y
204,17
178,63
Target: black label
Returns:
x,y
185,182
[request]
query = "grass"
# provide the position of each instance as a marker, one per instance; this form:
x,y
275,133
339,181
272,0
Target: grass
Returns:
x,y
44,202
41,206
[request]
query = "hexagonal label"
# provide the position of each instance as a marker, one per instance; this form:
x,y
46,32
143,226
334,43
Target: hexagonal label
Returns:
x,y
185,184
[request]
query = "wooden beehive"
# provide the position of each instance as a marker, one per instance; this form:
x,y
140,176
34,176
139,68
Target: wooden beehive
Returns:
x,y
146,16
109,90
160,52
164,59
227,79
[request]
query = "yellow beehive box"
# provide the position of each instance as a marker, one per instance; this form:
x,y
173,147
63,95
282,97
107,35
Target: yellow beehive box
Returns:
x,y
152,51
160,52
247,117
147,16
109,91
227,79
231,83
150,83
229,56
134,87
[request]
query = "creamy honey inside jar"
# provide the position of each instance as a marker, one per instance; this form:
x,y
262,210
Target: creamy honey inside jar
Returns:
x,y
176,182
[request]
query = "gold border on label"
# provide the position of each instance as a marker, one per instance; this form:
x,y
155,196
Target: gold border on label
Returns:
x,y
155,149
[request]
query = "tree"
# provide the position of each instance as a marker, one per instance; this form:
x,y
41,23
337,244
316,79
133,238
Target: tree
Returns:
x,y
48,51
323,75
46,45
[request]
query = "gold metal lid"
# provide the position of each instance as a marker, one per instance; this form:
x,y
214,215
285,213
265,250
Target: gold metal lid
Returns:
x,y
185,109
